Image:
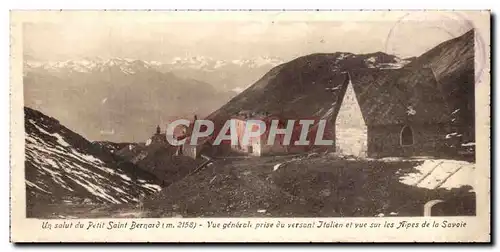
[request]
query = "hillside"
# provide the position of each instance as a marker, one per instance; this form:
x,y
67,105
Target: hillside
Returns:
x,y
316,185
63,167
306,80
121,100
453,64
309,185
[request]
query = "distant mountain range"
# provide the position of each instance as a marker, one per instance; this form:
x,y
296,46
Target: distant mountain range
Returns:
x,y
63,167
118,100
226,75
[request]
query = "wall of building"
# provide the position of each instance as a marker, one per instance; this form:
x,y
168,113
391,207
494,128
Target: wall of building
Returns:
x,y
273,149
253,145
190,150
428,140
259,146
351,132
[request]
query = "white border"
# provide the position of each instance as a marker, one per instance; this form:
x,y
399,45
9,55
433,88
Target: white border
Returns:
x,y
189,4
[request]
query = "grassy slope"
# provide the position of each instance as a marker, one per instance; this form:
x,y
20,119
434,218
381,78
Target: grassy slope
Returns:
x,y
316,186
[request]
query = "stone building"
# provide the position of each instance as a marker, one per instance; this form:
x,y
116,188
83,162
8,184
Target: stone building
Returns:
x,y
257,146
396,112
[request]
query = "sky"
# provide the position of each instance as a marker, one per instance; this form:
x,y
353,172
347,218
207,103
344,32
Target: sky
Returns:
x,y
162,39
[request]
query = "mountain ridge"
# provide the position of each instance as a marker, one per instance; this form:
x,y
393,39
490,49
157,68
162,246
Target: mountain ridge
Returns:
x,y
299,73
63,167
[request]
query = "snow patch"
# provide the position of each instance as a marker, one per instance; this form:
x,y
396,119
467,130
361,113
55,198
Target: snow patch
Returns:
x,y
59,165
31,184
469,144
58,137
411,111
448,136
441,173
153,187
277,166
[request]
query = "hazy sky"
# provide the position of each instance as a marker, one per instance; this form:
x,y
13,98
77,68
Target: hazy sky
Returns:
x,y
163,40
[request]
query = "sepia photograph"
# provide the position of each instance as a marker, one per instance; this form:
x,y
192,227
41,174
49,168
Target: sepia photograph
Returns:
x,y
275,117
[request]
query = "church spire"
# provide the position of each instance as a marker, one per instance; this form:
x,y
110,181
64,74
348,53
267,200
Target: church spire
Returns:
x,y
158,130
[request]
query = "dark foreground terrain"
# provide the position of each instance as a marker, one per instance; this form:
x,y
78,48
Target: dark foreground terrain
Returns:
x,y
314,185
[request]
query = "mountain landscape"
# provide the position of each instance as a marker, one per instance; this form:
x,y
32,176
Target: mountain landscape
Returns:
x,y
125,100
308,86
118,94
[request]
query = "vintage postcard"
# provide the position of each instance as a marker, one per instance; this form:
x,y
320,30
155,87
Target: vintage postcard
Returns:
x,y
250,126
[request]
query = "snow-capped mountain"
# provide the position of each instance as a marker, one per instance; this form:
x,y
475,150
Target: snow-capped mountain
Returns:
x,y
63,167
211,64
223,74
87,65
231,74
132,66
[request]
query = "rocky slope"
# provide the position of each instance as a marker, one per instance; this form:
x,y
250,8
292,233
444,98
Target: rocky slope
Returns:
x,y
63,167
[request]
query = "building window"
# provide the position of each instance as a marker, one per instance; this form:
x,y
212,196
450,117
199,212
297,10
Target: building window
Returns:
x,y
406,136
